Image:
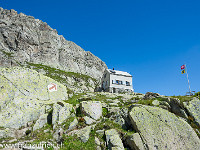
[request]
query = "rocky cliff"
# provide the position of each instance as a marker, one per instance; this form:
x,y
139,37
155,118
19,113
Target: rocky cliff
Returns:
x,y
26,39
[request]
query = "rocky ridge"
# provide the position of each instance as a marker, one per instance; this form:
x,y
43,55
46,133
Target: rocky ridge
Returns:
x,y
26,39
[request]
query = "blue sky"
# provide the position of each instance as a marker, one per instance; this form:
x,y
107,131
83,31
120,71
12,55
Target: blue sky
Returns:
x,y
149,39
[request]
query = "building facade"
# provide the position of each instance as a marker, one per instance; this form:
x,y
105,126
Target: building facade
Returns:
x,y
115,81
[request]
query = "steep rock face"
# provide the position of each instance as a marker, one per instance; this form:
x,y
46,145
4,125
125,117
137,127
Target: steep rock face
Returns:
x,y
25,39
24,96
160,129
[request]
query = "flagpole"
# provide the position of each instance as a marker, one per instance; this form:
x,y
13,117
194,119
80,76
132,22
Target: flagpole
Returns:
x,y
188,79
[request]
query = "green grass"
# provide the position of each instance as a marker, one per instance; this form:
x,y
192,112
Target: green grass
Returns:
x,y
73,143
100,97
183,98
135,98
104,112
39,135
146,102
60,75
108,124
161,98
75,99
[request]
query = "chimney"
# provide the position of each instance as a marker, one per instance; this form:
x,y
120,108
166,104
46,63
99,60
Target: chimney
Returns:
x,y
113,69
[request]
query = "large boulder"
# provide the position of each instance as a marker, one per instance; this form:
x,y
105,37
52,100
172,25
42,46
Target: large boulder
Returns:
x,y
135,142
151,95
26,39
64,112
61,112
113,140
160,129
20,82
92,109
40,122
73,124
88,120
83,134
193,107
24,96
55,114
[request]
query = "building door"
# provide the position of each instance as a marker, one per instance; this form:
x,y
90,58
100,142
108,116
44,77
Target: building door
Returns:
x,y
114,90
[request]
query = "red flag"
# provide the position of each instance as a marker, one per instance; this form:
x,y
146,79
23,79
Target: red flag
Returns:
x,y
182,67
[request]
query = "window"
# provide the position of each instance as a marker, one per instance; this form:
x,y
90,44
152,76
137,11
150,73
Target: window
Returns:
x,y
104,75
117,81
128,83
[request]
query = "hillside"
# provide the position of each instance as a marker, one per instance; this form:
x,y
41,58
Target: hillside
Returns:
x,y
30,114
72,116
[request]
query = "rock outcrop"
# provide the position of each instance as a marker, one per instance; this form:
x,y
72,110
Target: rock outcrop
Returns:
x,y
73,124
160,129
61,112
135,142
113,140
94,120
26,39
83,134
40,122
150,95
92,108
193,107
24,96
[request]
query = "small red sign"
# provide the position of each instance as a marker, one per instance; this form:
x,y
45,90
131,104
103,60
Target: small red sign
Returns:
x,y
52,87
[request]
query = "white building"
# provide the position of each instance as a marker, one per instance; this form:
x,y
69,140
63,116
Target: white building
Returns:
x,y
115,81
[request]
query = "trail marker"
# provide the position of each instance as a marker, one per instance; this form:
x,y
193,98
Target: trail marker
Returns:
x,y
52,87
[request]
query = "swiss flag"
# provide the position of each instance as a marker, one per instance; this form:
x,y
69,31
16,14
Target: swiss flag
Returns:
x,y
182,67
